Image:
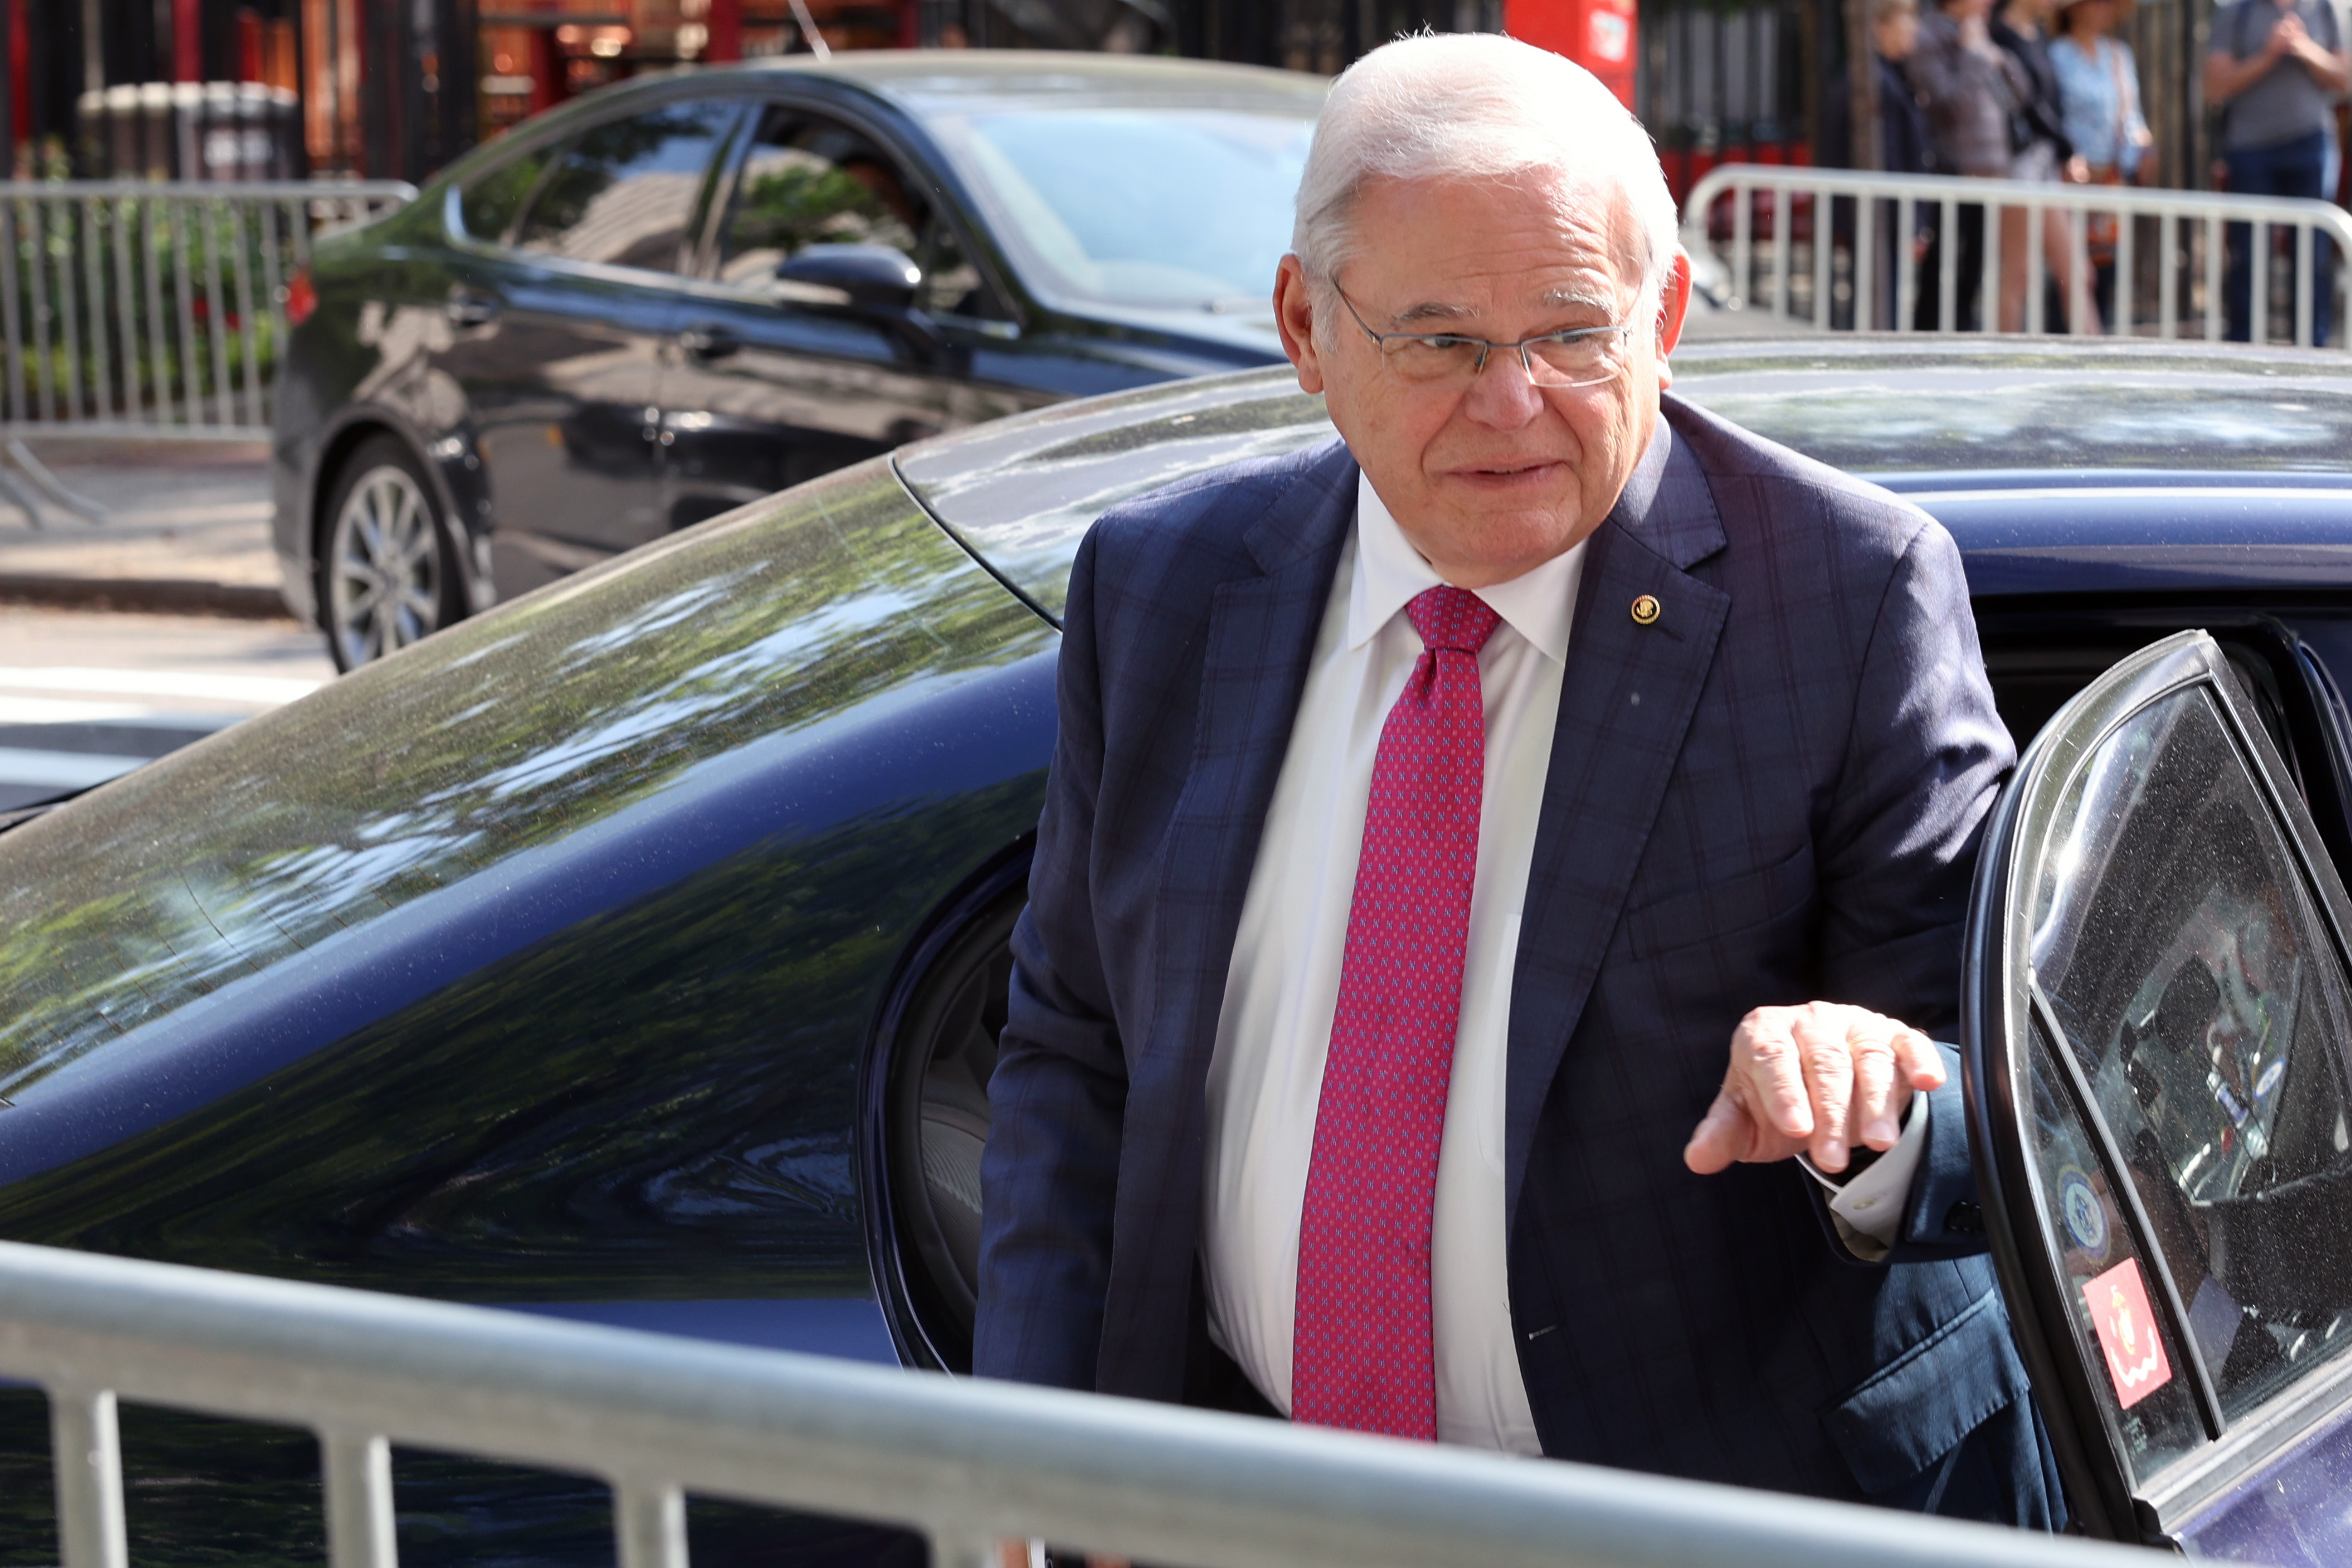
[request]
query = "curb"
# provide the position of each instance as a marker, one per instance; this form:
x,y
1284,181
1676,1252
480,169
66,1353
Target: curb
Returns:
x,y
166,596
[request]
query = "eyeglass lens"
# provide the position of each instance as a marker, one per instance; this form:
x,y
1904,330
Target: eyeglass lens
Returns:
x,y
1550,362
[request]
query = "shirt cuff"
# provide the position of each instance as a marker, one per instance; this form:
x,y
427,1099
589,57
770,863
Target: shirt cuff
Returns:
x,y
1871,1203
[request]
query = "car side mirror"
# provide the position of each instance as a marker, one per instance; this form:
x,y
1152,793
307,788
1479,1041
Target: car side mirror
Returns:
x,y
875,276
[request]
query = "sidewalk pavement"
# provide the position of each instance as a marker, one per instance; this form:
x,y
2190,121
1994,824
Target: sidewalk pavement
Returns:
x,y
187,530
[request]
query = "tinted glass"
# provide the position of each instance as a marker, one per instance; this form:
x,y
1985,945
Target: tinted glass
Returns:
x,y
2106,1281
492,197
1180,208
2203,997
808,182
624,192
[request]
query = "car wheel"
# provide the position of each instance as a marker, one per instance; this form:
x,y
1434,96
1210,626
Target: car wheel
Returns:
x,y
939,1118
387,575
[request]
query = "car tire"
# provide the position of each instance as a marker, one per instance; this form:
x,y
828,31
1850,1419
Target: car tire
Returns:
x,y
388,574
938,1121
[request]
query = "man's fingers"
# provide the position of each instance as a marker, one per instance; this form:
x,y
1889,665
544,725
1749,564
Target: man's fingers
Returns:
x,y
1723,1137
1870,1039
1923,1064
1775,1071
1822,1035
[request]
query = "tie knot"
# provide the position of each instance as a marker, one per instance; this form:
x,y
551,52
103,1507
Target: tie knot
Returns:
x,y
1451,619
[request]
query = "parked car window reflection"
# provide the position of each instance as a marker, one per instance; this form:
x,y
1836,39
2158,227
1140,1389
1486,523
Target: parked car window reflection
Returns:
x,y
808,181
625,192
2203,997
492,198
1186,209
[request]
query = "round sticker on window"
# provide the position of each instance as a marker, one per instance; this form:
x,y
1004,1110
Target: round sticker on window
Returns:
x,y
2086,1216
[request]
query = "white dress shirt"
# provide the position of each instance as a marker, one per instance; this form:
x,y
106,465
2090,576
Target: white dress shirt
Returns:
x,y
1266,1076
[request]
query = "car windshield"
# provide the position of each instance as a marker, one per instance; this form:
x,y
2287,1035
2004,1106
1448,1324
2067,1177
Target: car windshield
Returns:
x,y
1165,208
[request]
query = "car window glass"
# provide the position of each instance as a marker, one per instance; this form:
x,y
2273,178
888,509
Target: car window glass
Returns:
x,y
2185,959
1185,209
806,182
2106,1282
951,284
492,197
625,192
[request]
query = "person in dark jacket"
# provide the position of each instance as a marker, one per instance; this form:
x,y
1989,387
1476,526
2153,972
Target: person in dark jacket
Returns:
x,y
1310,1103
1904,148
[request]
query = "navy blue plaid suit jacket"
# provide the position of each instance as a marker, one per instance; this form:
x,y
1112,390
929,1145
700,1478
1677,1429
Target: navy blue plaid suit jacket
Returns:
x,y
1772,794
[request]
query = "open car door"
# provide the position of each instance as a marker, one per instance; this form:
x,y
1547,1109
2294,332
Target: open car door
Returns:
x,y
2155,1024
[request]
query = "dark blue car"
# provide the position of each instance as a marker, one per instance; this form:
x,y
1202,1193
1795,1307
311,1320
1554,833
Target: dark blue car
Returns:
x,y
635,952
690,290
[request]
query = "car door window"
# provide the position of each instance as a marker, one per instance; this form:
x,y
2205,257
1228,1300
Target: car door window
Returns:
x,y
809,180
624,192
2173,1010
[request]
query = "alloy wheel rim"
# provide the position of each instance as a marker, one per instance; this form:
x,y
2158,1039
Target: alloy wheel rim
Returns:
x,y
383,572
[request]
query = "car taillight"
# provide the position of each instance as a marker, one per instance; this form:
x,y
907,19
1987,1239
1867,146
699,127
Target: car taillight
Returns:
x,y
300,298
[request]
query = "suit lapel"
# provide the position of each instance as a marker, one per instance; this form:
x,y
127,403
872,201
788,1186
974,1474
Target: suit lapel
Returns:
x,y
1626,701
1261,636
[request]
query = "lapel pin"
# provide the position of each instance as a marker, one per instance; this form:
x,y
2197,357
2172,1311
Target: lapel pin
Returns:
x,y
1645,610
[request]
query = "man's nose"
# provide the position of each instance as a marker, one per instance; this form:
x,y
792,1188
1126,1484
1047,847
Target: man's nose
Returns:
x,y
1504,395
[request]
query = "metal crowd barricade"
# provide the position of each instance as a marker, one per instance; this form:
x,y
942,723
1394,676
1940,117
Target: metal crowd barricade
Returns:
x,y
156,308
968,1463
1840,249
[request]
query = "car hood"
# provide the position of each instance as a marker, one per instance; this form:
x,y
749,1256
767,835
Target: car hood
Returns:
x,y
1977,431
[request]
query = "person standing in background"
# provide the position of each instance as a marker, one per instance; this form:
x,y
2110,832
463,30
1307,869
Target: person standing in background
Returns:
x,y
2043,153
2098,90
1904,148
2277,68
1970,89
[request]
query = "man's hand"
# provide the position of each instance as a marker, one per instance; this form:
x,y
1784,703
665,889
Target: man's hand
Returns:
x,y
1821,1078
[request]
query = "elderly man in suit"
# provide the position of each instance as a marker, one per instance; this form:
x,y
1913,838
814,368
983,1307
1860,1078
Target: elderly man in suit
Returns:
x,y
1452,833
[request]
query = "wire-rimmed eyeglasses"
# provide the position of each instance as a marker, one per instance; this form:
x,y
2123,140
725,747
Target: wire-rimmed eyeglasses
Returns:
x,y
1579,356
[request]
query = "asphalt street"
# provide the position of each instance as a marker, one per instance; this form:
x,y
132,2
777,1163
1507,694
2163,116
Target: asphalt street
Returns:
x,y
86,695
94,680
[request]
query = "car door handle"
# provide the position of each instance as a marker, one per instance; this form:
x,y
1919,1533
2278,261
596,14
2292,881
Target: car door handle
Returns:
x,y
466,309
708,341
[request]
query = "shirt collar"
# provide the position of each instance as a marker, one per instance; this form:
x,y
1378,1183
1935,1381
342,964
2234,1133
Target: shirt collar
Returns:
x,y
1538,605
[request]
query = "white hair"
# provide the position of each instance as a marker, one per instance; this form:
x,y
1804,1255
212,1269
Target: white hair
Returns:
x,y
1474,106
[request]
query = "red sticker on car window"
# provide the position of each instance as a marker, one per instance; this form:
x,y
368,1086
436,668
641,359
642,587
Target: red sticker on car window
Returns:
x,y
2136,1363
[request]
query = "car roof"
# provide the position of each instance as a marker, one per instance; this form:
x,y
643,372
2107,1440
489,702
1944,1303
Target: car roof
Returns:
x,y
932,81
2059,466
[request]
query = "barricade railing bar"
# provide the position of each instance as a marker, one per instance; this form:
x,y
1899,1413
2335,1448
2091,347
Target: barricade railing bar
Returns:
x,y
156,308
969,1463
1905,253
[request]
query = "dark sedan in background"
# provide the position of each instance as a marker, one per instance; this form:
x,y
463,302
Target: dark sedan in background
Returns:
x,y
682,293
636,952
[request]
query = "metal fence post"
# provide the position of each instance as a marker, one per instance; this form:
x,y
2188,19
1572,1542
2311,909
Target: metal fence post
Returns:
x,y
357,1475
650,1524
88,1451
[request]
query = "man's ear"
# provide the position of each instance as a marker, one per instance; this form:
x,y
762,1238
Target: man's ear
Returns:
x,y
1673,310
1293,317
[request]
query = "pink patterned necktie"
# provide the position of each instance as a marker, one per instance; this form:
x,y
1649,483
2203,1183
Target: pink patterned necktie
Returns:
x,y
1361,1355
